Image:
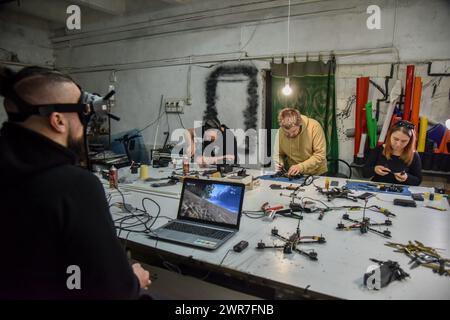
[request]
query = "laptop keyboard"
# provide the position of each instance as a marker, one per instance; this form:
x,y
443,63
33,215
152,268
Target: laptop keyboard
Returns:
x,y
201,231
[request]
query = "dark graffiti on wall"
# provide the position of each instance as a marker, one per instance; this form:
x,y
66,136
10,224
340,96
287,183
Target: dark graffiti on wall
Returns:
x,y
251,111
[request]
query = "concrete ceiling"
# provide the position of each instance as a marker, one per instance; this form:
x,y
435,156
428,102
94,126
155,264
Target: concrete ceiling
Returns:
x,y
54,11
155,5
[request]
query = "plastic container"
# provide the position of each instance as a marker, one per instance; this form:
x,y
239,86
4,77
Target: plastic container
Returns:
x,y
113,178
185,165
143,172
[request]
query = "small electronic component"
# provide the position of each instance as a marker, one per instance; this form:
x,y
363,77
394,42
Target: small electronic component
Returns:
x,y
391,188
405,203
365,195
241,245
417,196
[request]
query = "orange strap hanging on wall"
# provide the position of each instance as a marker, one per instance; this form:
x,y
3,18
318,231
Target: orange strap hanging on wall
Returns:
x,y
445,140
417,95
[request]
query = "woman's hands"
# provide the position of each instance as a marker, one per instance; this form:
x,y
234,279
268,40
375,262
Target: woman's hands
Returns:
x,y
401,176
381,170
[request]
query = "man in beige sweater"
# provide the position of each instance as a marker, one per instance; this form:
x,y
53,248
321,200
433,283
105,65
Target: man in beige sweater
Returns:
x,y
301,141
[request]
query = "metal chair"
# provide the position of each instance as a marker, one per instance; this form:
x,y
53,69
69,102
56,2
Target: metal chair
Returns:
x,y
338,174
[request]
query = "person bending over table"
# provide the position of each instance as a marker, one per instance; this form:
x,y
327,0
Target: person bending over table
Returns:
x,y
212,131
301,141
396,161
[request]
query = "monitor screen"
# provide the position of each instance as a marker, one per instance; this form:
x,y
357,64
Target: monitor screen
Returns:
x,y
212,201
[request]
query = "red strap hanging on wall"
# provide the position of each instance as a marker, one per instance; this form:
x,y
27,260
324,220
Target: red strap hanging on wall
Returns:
x,y
408,92
357,118
364,99
362,92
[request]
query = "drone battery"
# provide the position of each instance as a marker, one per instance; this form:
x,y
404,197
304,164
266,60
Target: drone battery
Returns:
x,y
334,183
405,203
417,197
295,207
224,168
284,211
241,245
365,195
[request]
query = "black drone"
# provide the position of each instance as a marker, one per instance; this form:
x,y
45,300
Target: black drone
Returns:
x,y
293,242
365,225
306,207
334,193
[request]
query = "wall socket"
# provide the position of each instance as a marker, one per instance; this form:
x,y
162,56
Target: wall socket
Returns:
x,y
174,105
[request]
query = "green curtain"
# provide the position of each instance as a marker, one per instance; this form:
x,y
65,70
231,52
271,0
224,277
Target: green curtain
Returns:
x,y
313,94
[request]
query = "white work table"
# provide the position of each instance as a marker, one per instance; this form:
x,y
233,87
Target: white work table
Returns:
x,y
342,260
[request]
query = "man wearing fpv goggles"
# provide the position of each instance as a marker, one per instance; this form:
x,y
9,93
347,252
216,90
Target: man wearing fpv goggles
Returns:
x,y
56,213
19,110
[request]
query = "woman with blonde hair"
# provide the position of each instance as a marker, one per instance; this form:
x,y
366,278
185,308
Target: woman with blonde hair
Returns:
x,y
397,160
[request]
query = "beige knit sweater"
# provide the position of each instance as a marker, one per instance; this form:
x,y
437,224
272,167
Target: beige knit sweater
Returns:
x,y
308,148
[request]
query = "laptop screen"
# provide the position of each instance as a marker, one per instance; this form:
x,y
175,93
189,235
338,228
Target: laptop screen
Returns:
x,y
212,202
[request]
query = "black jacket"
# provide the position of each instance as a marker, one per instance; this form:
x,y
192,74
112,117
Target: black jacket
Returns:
x,y
54,215
396,165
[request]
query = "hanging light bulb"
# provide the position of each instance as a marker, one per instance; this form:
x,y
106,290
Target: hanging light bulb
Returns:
x,y
287,90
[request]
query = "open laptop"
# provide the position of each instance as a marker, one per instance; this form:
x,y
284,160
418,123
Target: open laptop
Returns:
x,y
208,215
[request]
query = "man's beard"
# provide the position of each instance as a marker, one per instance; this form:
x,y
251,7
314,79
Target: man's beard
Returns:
x,y
76,145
